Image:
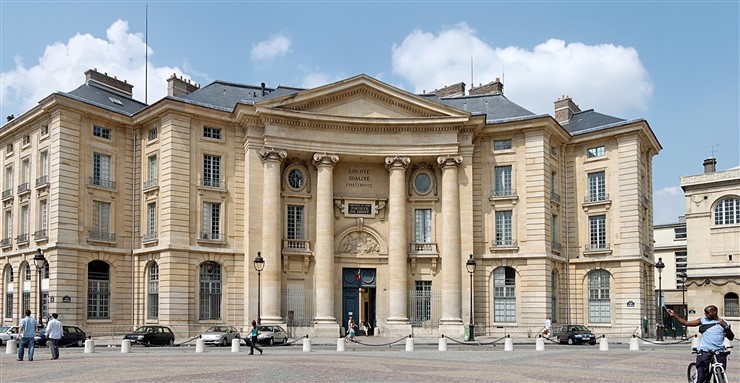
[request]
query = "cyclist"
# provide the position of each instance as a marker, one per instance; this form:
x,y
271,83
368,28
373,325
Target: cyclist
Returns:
x,y
714,330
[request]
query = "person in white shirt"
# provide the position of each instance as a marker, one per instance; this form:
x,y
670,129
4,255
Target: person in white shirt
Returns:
x,y
53,334
548,328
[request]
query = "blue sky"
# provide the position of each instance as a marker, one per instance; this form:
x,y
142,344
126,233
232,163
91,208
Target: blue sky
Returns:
x,y
676,64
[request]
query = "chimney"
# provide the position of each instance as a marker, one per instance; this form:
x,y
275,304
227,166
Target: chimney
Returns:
x,y
493,87
710,165
451,90
179,87
565,108
109,82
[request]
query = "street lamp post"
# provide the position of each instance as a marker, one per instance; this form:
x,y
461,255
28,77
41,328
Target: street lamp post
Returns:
x,y
470,265
259,265
683,302
39,261
661,328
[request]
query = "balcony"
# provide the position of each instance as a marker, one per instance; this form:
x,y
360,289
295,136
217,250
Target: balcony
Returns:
x,y
7,194
6,242
213,183
97,235
210,237
150,184
24,188
40,235
503,244
419,248
555,197
296,246
102,183
21,239
42,181
149,237
597,247
597,198
503,193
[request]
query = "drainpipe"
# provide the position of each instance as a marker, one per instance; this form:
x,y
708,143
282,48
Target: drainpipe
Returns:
x,y
133,226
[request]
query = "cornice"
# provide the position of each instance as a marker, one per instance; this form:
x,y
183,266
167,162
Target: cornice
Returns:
x,y
367,125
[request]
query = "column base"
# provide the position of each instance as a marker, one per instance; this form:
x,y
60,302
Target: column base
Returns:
x,y
271,320
396,329
326,330
452,329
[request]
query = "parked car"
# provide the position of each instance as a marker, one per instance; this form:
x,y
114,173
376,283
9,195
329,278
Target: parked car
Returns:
x,y
269,334
220,335
152,335
71,335
576,333
7,333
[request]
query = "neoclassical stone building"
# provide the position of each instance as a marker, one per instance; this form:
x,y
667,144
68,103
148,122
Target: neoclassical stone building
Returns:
x,y
362,199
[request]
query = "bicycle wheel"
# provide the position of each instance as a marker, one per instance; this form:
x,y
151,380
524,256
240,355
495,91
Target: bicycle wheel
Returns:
x,y
691,373
719,375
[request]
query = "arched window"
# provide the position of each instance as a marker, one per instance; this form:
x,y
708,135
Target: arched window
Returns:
x,y
554,296
26,287
732,305
153,295
599,304
504,295
210,290
727,212
98,290
9,292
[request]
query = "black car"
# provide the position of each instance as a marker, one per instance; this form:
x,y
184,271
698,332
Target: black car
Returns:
x,y
71,336
152,335
576,333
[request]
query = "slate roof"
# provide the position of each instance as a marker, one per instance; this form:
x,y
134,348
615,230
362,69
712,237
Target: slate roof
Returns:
x,y
496,106
225,95
94,94
588,120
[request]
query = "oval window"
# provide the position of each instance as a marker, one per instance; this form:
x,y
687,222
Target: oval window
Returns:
x,y
423,183
295,179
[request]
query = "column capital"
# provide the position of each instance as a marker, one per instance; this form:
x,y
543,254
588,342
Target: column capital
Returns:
x,y
325,159
273,154
397,161
450,160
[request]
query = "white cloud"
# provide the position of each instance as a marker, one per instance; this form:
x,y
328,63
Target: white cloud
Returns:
x,y
269,49
608,78
668,205
62,68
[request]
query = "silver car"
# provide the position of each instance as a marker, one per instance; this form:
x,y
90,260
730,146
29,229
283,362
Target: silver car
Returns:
x,y
269,334
7,333
220,335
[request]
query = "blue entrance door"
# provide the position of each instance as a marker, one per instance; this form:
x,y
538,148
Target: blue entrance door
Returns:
x,y
355,281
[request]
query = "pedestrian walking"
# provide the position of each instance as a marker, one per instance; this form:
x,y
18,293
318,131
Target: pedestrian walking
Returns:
x,y
26,332
253,337
53,335
548,328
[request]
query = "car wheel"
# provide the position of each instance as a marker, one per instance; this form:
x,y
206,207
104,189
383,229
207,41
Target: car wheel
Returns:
x,y
80,343
170,342
570,340
285,340
223,342
272,341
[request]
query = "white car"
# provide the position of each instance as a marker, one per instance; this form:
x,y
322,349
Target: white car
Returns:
x,y
270,334
220,335
7,333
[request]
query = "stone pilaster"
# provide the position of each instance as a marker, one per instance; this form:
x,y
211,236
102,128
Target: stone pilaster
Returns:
x,y
325,322
271,235
397,323
451,322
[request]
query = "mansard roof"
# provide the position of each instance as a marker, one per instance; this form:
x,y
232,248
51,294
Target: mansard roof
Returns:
x,y
94,94
589,121
495,106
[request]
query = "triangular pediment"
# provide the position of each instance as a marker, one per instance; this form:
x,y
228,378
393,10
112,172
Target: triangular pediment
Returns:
x,y
360,97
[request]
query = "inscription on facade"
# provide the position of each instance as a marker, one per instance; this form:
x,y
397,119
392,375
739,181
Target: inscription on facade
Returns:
x,y
359,208
359,178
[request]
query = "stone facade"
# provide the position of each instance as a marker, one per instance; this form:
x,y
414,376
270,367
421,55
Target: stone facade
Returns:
x,y
361,198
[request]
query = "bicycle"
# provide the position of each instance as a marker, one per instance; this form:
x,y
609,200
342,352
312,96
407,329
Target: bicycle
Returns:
x,y
716,370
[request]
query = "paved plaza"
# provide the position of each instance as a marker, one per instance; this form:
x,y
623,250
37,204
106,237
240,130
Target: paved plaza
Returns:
x,y
461,363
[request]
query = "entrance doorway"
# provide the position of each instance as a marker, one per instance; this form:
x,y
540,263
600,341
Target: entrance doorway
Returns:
x,y
358,299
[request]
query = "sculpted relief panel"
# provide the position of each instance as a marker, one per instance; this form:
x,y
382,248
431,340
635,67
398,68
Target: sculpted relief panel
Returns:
x,y
359,243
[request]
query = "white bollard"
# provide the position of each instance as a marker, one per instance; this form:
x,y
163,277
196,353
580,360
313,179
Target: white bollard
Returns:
x,y
11,347
89,346
200,345
125,346
235,344
695,342
540,345
340,344
603,344
409,344
306,345
442,344
509,344
634,344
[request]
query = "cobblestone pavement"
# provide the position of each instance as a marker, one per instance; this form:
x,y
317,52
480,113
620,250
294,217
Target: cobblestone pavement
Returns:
x,y
461,363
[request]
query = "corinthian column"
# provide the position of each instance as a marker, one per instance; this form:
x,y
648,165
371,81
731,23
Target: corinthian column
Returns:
x,y
451,322
325,321
397,323
271,235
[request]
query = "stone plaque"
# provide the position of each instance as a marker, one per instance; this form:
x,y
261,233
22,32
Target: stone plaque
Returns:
x,y
359,208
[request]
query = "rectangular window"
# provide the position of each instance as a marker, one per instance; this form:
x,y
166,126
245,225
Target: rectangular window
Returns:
x,y
26,301
296,222
9,301
25,220
597,187
9,178
681,262
504,295
554,228
501,144
99,131
45,130
25,170
9,148
98,300
599,310
151,177
152,134
101,217
597,232
153,292
43,208
44,164
423,308
423,226
151,218
8,224
502,181
211,221
26,140
680,232
101,170
504,236
209,132
212,171
596,152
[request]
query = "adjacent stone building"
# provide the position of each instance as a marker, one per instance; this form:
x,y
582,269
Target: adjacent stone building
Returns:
x,y
362,199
